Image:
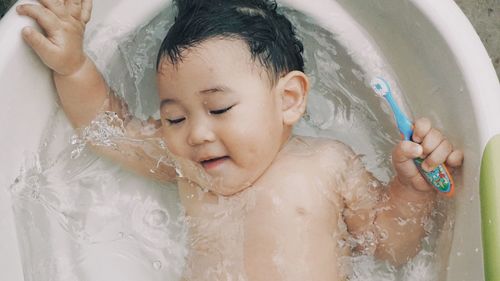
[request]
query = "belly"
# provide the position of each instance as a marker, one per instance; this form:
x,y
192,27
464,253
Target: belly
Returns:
x,y
271,235
292,238
216,236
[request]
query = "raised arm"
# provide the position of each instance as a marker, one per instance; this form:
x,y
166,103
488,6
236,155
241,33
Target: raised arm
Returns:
x,y
382,220
83,92
391,220
80,86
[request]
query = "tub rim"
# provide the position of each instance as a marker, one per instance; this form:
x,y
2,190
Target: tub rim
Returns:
x,y
485,101
490,211
472,58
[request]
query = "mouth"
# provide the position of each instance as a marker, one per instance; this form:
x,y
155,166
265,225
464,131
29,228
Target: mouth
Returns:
x,y
213,162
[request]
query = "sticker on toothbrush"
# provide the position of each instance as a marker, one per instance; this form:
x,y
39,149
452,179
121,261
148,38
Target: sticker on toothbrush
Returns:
x,y
438,177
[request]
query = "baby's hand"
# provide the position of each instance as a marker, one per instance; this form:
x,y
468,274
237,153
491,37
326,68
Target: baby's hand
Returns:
x,y
429,144
61,48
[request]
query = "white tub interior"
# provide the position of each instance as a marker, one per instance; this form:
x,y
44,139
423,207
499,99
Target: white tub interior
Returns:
x,y
126,236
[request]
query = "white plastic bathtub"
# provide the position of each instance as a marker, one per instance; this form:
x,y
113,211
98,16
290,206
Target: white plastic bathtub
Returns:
x,y
428,47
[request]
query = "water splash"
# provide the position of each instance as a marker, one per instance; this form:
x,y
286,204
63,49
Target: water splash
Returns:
x,y
102,131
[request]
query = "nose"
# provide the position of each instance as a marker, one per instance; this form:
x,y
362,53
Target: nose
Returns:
x,y
200,132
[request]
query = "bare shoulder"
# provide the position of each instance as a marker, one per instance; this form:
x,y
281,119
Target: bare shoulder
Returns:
x,y
322,161
330,152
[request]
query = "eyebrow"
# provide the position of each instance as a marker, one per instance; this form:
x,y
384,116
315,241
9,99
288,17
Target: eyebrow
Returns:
x,y
216,89
166,101
211,90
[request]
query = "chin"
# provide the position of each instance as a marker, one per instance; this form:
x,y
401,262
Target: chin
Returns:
x,y
229,189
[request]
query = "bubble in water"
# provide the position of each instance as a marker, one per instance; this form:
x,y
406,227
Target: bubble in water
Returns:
x,y
156,218
157,265
35,194
384,235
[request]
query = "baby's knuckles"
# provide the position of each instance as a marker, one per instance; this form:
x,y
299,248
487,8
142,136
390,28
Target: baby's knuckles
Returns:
x,y
70,56
422,127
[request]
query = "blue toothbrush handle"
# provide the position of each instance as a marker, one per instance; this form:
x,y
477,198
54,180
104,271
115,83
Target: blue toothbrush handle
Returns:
x,y
405,126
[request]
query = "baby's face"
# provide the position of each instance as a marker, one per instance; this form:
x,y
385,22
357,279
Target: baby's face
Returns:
x,y
219,109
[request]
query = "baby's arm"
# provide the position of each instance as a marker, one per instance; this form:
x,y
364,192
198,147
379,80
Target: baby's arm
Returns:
x,y
82,90
393,223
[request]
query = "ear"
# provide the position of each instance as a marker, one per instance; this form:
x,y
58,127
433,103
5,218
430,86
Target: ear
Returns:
x,y
294,88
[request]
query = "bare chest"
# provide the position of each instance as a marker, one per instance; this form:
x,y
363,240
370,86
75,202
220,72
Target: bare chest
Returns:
x,y
276,230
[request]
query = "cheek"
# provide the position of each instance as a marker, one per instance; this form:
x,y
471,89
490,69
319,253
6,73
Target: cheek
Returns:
x,y
255,137
175,143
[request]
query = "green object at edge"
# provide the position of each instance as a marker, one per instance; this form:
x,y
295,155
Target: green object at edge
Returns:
x,y
490,208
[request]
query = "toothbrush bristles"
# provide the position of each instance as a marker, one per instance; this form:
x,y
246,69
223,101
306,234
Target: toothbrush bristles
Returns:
x,y
379,86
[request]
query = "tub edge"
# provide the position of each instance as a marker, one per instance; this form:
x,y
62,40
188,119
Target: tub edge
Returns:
x,y
490,207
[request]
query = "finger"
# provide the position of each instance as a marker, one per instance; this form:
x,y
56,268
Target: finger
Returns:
x,y
455,159
74,8
402,158
408,173
44,17
437,156
86,10
421,128
41,45
431,141
55,6
406,151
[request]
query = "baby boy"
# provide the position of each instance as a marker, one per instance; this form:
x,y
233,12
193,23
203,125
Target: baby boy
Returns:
x,y
261,203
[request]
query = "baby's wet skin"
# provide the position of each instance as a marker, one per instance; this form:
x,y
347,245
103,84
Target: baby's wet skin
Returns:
x,y
286,226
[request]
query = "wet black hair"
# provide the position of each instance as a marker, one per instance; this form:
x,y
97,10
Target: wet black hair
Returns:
x,y
270,36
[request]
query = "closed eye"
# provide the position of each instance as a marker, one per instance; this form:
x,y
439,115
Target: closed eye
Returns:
x,y
220,111
175,121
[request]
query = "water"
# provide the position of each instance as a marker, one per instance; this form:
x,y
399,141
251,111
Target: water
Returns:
x,y
73,217
76,212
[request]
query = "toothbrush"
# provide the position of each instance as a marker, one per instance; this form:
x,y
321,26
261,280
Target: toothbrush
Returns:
x,y
439,178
